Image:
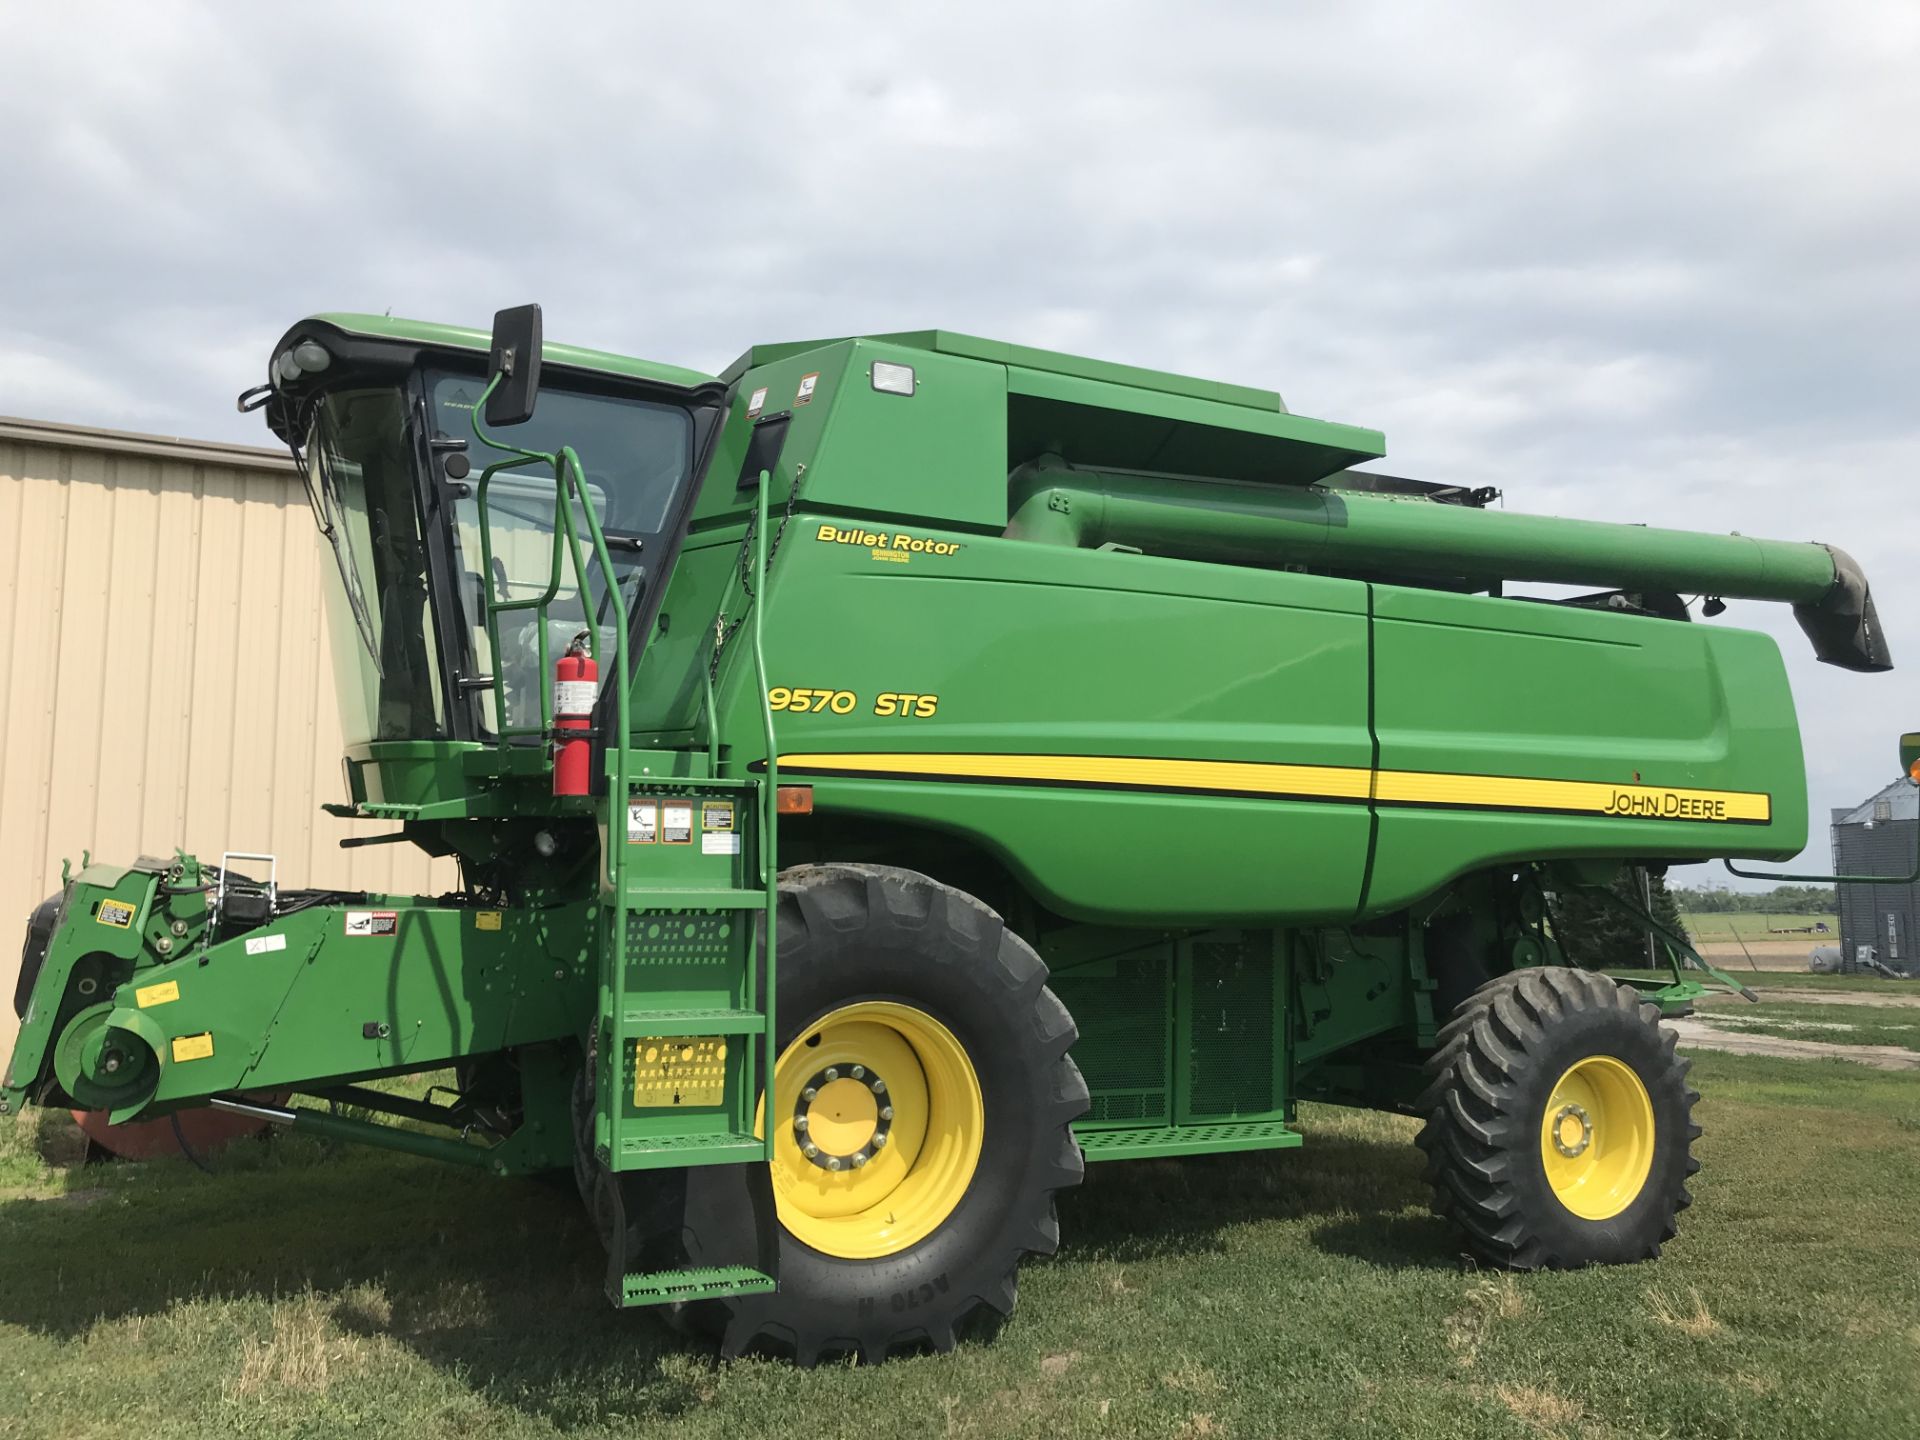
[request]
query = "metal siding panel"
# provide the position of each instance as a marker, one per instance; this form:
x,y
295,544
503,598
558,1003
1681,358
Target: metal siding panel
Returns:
x,y
125,660
166,710
178,600
79,698
34,605
207,811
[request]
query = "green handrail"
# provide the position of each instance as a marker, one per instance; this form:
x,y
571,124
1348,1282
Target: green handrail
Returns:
x,y
1909,878
770,791
570,485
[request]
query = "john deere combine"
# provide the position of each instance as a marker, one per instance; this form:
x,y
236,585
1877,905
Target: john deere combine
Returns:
x,y
902,769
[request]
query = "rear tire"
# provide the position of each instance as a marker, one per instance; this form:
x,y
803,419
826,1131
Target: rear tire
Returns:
x,y
890,948
1559,1123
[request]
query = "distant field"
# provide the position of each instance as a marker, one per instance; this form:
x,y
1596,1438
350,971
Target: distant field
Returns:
x,y
1743,926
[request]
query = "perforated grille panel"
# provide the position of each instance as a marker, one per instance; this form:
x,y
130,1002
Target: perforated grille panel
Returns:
x,y
692,941
1122,1007
1232,1029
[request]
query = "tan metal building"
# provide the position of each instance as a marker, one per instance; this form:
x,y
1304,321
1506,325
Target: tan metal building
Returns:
x,y
164,678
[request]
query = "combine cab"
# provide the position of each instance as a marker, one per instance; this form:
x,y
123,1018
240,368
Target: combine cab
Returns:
x,y
901,770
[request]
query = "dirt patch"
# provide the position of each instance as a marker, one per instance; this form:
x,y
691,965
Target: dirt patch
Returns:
x,y
1809,996
1765,954
1703,1035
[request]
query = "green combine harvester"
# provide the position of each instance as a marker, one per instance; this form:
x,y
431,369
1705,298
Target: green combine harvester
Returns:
x,y
903,769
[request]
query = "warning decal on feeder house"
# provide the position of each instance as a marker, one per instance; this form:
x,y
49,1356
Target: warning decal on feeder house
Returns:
x,y
676,822
116,913
807,384
643,822
756,402
717,835
364,923
193,1047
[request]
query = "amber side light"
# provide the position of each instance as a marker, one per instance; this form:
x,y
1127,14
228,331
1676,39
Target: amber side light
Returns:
x,y
793,800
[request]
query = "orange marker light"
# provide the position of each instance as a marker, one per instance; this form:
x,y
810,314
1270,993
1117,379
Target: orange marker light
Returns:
x,y
798,799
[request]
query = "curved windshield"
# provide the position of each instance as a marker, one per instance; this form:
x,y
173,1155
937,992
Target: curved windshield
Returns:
x,y
636,455
360,478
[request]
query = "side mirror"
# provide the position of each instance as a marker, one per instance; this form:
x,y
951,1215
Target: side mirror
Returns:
x,y
515,358
1910,756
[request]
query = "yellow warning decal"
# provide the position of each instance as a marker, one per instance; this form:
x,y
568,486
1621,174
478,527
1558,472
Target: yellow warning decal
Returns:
x,y
679,1070
148,996
486,919
116,913
1350,783
192,1047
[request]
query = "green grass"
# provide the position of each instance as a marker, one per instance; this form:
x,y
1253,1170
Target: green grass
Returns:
x,y
1750,926
310,1293
1830,1024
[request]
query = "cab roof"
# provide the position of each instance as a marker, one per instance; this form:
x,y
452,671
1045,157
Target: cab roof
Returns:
x,y
459,337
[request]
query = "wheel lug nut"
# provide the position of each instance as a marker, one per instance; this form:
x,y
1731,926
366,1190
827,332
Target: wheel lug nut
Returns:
x,y
832,1073
799,1122
832,1163
886,1112
859,1159
808,1093
859,1072
879,1087
809,1150
879,1140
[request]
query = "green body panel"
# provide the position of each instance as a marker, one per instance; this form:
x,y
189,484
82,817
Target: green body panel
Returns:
x,y
1091,655
1468,684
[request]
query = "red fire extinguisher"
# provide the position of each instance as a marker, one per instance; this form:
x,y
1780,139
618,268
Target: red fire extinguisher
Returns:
x,y
576,685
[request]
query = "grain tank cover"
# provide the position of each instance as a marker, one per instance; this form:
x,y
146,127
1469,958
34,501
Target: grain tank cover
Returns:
x,y
1119,416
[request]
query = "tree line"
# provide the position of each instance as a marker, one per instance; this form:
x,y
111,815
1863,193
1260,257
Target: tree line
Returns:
x,y
1597,934
1781,900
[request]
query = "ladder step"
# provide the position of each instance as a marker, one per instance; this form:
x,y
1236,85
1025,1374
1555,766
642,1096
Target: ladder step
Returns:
x,y
693,1022
694,897
663,1286
1189,1140
658,1152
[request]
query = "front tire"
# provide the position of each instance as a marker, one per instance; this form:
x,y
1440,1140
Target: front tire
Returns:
x,y
932,1171
1559,1123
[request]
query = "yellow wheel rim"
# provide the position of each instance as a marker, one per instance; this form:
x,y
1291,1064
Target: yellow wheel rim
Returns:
x,y
878,1129
1596,1138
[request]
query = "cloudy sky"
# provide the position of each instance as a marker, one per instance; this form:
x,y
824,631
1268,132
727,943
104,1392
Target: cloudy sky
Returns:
x,y
1636,261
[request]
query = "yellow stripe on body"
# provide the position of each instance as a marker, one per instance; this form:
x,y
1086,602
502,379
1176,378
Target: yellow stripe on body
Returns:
x,y
1336,782
1331,782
